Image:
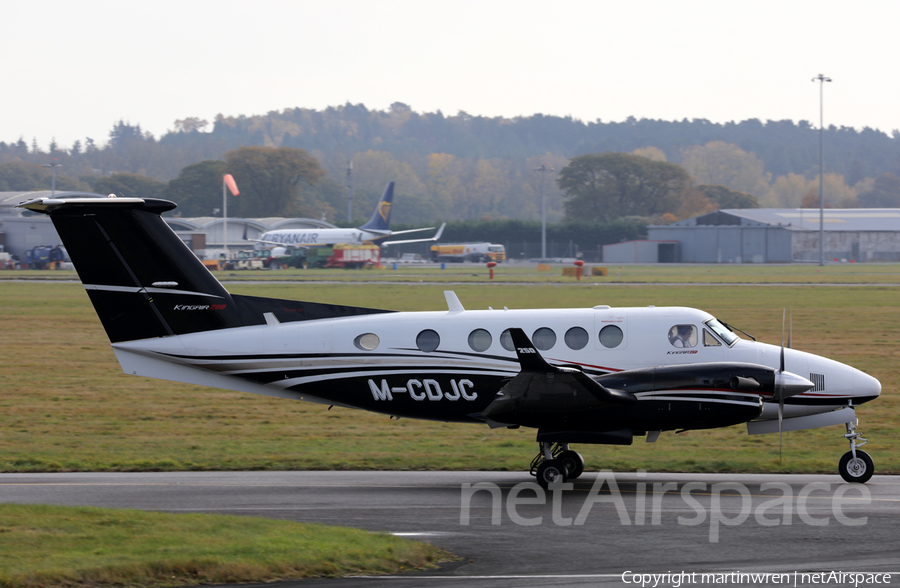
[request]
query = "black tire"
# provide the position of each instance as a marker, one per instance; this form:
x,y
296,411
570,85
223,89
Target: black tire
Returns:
x,y
574,463
551,471
859,470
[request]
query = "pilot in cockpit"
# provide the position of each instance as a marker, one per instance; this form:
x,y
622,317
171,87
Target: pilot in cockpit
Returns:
x,y
683,336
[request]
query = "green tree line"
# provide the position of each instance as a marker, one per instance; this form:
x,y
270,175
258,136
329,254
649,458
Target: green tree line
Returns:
x,y
784,147
466,167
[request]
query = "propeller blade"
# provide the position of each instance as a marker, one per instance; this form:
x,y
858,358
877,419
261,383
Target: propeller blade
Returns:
x,y
780,423
780,388
783,312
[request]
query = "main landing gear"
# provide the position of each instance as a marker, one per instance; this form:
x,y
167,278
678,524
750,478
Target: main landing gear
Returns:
x,y
555,462
856,465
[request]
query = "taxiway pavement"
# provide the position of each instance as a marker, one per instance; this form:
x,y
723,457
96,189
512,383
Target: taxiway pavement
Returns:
x,y
509,533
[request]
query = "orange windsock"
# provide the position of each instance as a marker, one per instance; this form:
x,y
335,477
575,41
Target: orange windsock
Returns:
x,y
229,181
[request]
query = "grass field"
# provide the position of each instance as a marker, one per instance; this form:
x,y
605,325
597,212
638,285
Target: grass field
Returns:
x,y
846,273
53,546
66,406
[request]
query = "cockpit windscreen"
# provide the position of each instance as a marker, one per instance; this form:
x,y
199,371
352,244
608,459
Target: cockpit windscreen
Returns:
x,y
722,331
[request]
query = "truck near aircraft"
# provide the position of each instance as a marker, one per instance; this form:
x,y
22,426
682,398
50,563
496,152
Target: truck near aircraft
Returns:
x,y
475,252
340,255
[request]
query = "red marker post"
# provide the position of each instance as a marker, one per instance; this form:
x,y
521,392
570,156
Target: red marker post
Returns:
x,y
578,265
491,265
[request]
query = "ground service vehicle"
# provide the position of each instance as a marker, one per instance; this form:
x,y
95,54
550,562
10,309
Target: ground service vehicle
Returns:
x,y
247,259
475,252
350,256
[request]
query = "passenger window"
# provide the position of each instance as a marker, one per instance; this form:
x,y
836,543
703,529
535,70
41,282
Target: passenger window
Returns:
x,y
544,338
428,341
479,340
611,336
506,340
683,336
709,340
576,338
367,341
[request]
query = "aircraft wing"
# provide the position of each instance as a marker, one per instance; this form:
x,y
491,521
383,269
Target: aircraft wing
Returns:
x,y
392,233
435,238
542,391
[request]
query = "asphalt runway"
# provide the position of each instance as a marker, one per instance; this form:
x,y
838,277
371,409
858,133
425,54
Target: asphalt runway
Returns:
x,y
605,530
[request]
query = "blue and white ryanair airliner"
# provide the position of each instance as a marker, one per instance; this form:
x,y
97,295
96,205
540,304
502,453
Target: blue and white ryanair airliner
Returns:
x,y
592,375
375,231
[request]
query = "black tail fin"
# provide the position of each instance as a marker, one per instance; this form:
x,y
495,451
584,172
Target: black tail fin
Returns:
x,y
142,279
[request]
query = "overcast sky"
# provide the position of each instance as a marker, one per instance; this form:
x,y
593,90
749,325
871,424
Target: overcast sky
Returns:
x,y
72,69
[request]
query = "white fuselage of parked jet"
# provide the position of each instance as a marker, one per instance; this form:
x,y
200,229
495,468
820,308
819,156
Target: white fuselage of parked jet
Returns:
x,y
317,237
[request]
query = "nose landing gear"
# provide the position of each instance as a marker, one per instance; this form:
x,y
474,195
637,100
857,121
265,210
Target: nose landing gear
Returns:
x,y
855,465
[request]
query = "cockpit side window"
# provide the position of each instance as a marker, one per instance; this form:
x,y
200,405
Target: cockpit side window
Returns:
x,y
709,340
683,336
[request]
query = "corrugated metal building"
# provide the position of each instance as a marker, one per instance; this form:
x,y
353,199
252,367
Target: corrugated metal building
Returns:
x,y
776,235
641,252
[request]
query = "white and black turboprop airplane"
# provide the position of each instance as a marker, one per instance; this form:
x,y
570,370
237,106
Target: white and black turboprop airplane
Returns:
x,y
594,375
376,231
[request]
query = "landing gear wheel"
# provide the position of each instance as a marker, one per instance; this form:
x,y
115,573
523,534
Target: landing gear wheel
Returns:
x,y
573,461
858,469
551,471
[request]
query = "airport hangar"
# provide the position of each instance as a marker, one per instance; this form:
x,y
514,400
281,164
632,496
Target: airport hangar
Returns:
x,y
768,235
22,230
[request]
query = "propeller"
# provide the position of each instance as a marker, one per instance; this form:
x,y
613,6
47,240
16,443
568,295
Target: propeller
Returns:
x,y
779,389
786,383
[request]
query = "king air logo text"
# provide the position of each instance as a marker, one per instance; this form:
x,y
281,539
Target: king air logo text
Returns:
x,y
425,389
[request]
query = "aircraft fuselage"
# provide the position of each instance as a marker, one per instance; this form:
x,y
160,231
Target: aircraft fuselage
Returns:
x,y
449,366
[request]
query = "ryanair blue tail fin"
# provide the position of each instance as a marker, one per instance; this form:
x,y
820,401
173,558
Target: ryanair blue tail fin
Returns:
x,y
381,218
145,282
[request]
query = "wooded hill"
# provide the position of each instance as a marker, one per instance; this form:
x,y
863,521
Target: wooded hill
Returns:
x,y
466,167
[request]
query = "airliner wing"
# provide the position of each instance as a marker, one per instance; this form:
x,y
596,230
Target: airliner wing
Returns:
x,y
392,233
435,238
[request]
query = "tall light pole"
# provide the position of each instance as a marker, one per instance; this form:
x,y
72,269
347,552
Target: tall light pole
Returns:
x,y
544,168
53,167
821,79
349,191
